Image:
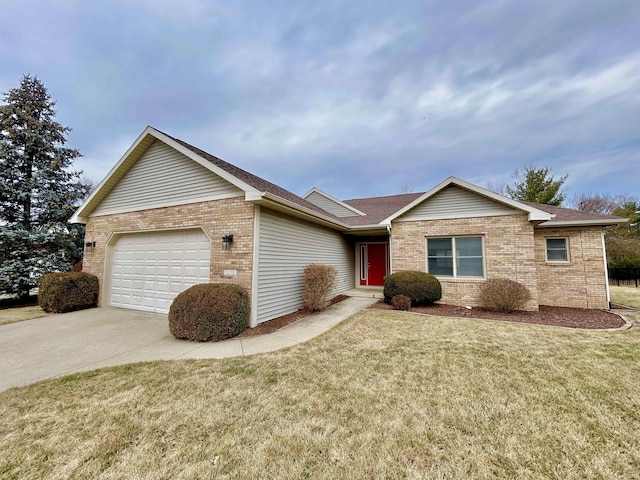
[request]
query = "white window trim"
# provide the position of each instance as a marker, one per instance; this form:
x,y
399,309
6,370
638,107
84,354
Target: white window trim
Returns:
x,y
566,246
453,250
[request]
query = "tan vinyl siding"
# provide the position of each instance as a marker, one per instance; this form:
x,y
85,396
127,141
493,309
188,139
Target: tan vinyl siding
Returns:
x,y
329,205
161,177
454,202
286,247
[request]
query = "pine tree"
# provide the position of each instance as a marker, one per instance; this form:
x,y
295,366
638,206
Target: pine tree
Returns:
x,y
537,185
38,190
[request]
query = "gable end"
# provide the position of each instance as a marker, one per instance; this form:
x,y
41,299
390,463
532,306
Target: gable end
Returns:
x,y
456,202
162,177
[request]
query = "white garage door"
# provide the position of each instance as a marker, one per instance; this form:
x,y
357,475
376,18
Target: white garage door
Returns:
x,y
149,270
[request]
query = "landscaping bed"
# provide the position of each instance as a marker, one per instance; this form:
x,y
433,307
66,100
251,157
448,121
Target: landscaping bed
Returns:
x,y
556,316
283,321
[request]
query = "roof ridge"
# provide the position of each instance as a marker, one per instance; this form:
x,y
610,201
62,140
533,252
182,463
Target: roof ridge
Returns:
x,y
385,196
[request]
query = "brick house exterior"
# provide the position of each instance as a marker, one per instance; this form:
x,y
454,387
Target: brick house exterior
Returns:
x,y
508,244
229,214
155,225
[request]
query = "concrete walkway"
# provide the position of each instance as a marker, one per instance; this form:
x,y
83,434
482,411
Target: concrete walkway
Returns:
x,y
62,344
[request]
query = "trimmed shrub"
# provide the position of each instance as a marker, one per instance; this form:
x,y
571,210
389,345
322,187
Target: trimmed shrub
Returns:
x,y
421,287
210,311
503,295
318,281
67,291
401,302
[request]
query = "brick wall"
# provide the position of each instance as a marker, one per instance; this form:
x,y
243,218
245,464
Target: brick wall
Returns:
x,y
581,281
216,218
509,252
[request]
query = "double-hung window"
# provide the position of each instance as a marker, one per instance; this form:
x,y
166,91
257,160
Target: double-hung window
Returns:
x,y
557,250
455,256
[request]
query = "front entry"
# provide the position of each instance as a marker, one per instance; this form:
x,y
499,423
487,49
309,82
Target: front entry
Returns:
x,y
374,261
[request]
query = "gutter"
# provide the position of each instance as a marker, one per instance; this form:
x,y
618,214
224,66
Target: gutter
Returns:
x,y
605,222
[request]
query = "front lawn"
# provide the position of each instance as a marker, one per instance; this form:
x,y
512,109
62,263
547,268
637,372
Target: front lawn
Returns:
x,y
383,395
19,314
628,296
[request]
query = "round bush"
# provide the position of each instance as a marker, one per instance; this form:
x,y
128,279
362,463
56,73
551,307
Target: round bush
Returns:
x,y
421,287
210,311
401,302
503,295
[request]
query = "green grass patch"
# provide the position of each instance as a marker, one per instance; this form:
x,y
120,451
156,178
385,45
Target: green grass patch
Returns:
x,y
383,395
628,296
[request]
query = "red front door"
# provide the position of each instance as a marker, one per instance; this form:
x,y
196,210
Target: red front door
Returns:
x,y
375,256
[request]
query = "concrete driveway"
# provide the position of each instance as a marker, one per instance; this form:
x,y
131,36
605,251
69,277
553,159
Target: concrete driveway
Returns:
x,y
65,343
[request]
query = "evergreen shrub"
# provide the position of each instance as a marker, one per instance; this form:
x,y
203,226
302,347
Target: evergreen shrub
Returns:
x,y
67,291
421,287
210,312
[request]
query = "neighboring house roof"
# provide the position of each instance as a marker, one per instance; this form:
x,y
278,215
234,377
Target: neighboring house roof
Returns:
x,y
566,217
373,213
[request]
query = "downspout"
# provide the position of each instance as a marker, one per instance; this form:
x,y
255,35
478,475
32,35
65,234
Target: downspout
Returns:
x,y
606,270
253,321
390,256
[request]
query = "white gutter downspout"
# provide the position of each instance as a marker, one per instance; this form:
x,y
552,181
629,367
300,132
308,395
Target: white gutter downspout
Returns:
x,y
390,256
606,270
253,321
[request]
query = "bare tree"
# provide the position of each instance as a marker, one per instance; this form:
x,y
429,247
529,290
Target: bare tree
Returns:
x,y
406,188
595,203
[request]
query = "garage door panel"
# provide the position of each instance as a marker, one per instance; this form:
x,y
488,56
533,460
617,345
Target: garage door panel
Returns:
x,y
150,269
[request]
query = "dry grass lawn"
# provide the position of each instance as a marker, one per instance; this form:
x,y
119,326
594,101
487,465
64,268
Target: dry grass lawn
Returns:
x,y
18,314
384,395
629,296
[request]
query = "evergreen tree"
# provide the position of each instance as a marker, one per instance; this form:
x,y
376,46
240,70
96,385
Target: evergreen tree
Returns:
x,y
537,185
38,190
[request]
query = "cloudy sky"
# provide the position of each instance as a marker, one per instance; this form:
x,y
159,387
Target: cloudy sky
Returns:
x,y
357,98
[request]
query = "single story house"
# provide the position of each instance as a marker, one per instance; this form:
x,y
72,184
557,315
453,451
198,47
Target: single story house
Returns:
x,y
169,215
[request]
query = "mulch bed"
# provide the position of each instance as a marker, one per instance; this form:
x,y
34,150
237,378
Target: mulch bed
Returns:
x,y
556,316
281,322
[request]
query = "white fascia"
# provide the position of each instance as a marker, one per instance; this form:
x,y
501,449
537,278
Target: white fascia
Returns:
x,y
581,223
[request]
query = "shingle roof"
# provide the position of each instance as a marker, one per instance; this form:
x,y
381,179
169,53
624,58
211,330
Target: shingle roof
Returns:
x,y
570,215
256,182
378,208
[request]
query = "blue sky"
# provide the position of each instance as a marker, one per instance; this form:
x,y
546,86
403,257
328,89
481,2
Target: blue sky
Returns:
x,y
357,98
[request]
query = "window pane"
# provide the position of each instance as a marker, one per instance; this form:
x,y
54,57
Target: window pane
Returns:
x,y
557,249
442,266
469,267
557,255
439,247
556,243
469,246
